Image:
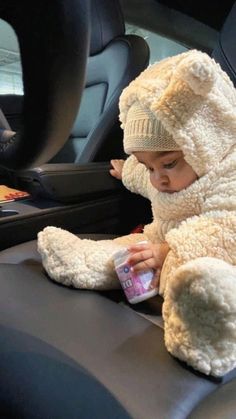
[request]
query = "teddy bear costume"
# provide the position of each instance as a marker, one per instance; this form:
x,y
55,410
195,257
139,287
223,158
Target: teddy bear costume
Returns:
x,y
195,102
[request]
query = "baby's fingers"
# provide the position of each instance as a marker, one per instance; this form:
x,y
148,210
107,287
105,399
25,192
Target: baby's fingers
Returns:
x,y
117,166
137,247
117,163
144,265
140,256
156,279
115,174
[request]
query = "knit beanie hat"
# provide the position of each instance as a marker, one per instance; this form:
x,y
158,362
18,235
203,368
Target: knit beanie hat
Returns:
x,y
144,132
192,99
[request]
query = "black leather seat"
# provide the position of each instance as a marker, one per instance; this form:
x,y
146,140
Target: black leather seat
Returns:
x,y
73,353
114,60
66,352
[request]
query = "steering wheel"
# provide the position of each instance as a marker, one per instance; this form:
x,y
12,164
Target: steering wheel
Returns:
x,y
53,39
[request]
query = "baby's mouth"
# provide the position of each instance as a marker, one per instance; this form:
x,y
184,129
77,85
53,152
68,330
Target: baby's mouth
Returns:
x,y
168,191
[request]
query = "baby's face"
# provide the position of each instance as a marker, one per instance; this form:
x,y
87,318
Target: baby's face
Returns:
x,y
169,172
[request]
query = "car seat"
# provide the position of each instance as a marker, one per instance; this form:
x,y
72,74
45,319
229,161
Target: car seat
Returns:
x,y
114,60
73,353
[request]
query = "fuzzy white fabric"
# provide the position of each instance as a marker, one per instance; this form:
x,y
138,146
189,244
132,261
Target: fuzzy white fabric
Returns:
x,y
85,264
198,278
89,264
199,313
213,193
199,224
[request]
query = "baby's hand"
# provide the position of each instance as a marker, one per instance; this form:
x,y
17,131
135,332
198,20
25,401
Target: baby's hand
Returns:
x,y
116,171
148,256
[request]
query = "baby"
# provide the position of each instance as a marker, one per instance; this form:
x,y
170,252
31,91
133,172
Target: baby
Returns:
x,y
179,122
169,173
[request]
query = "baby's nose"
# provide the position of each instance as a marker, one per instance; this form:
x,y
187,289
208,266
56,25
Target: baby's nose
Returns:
x,y
163,180
161,177
160,180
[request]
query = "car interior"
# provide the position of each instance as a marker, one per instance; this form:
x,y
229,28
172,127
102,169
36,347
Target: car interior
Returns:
x,y
71,353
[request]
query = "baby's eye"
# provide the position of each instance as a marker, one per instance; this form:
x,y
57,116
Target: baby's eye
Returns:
x,y
170,165
150,169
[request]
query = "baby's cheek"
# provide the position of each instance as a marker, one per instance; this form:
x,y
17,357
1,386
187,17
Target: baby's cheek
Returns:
x,y
184,178
153,181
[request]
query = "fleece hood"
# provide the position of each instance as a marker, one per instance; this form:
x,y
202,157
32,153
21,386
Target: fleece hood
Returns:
x,y
194,100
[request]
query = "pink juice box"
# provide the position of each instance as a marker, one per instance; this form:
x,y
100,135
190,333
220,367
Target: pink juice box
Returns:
x,y
136,286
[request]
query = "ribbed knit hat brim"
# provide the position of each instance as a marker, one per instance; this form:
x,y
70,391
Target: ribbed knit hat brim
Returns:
x,y
144,132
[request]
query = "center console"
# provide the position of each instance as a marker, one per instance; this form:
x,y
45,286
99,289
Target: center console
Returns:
x,y
80,198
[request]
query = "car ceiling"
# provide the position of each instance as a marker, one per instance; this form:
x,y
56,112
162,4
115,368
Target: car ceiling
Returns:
x,y
170,22
211,13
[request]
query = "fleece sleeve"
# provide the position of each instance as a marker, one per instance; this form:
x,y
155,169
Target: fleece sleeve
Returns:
x,y
135,177
211,234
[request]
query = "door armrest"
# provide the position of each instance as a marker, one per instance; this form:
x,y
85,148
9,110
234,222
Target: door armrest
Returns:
x,y
69,182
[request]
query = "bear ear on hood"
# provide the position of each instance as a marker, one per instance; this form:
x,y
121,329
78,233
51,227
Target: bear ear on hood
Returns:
x,y
198,70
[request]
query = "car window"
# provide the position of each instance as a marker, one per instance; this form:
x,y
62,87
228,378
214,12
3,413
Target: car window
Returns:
x,y
160,47
10,63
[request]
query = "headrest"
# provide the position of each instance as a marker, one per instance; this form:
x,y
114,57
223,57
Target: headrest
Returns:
x,y
107,23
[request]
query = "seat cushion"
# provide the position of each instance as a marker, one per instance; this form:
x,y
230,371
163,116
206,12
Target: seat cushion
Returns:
x,y
220,404
58,345
53,337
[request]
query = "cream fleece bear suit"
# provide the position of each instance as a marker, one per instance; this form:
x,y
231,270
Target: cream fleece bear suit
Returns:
x,y
196,102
